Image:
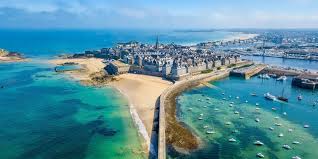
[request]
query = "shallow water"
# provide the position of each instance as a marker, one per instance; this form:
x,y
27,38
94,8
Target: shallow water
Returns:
x,y
216,112
45,115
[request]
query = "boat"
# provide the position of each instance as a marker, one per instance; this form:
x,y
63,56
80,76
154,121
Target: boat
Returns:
x,y
246,101
231,102
274,109
281,78
306,126
256,104
282,98
296,157
264,76
189,109
257,108
223,93
278,124
300,97
290,130
258,143
237,97
287,147
216,109
228,123
232,140
200,118
271,128
281,135
205,127
257,120
284,113
269,96
260,155
210,132
241,117
235,131
224,98
276,117
253,94
236,112
231,105
296,142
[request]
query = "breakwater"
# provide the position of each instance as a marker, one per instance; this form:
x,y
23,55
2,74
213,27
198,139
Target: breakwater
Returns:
x,y
171,132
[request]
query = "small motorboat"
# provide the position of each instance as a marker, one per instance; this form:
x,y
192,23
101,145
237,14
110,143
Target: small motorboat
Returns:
x,y
200,118
253,94
241,117
274,109
269,96
231,105
258,143
264,76
257,108
300,97
232,140
257,120
281,135
237,97
276,117
284,113
290,130
189,109
278,124
228,123
256,104
236,112
205,127
271,128
223,93
260,155
306,126
287,147
246,101
281,78
296,157
296,142
210,132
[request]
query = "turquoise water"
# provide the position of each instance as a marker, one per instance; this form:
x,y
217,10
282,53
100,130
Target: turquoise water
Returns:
x,y
217,112
44,115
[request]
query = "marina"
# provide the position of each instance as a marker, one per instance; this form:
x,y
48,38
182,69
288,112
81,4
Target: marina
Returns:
x,y
273,131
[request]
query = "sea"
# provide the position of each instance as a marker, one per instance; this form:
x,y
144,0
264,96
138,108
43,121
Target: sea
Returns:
x,y
47,115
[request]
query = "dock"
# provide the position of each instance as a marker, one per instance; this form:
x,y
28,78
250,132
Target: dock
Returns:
x,y
248,72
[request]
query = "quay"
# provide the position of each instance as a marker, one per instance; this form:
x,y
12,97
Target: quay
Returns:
x,y
307,81
249,71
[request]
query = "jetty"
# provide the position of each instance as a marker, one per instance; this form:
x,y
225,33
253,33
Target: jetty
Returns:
x,y
248,72
307,81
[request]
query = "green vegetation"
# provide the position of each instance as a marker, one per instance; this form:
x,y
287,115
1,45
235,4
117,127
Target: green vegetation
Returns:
x,y
207,71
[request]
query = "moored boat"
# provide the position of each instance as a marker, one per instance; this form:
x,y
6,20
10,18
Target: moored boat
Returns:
x,y
269,96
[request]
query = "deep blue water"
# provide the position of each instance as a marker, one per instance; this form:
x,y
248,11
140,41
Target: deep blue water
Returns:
x,y
52,42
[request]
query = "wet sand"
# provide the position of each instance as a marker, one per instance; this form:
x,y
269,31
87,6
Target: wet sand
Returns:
x,y
142,91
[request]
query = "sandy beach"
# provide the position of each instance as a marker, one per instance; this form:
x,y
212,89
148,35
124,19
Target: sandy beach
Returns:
x,y
142,92
89,66
11,59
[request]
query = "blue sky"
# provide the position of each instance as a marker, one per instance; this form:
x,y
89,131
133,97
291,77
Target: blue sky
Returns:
x,y
168,14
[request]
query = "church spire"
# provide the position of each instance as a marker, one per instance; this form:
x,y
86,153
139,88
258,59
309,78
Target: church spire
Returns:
x,y
157,42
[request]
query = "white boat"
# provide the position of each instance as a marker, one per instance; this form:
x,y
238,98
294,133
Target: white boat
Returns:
x,y
216,109
271,128
300,97
274,109
235,131
190,109
256,104
264,76
290,130
237,97
241,117
306,126
200,118
228,123
257,108
296,142
246,101
210,132
269,96
205,127
232,140
284,113
287,147
296,157
257,120
276,117
223,93
201,114
260,155
258,143
224,98
231,105
281,78
236,112
278,124
281,135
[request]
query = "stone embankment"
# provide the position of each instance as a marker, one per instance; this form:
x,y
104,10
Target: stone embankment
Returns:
x,y
171,132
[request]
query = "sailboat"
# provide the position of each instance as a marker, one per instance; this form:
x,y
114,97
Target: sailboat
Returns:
x,y
282,98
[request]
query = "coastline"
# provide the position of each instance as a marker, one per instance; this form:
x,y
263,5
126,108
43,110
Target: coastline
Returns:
x,y
10,59
135,88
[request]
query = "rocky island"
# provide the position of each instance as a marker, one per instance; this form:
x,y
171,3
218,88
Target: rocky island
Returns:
x,y
6,56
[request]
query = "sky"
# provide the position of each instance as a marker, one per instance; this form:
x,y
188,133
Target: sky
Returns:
x,y
165,14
